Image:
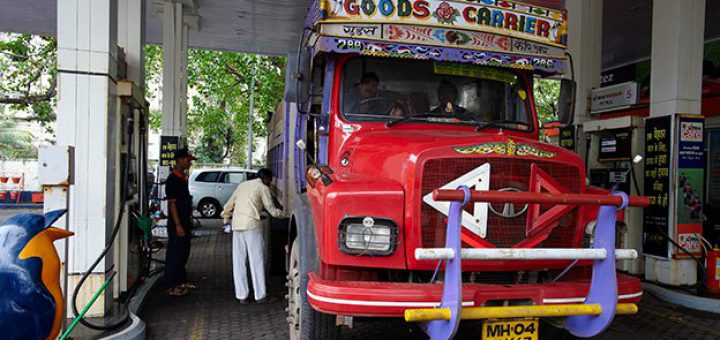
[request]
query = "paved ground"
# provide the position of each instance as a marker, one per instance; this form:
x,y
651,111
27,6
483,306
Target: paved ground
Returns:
x,y
7,213
212,312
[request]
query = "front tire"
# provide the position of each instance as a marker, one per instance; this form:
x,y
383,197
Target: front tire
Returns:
x,y
209,208
305,322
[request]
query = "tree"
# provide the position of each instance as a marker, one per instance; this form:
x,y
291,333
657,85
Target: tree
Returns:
x,y
547,93
28,69
15,142
219,98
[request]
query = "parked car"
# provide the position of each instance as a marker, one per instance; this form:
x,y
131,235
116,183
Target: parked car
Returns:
x,y
212,188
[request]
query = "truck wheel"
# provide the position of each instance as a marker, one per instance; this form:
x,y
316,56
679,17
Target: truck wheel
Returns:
x,y
305,322
209,208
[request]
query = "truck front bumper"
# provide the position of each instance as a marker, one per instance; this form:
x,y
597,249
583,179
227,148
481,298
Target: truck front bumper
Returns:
x,y
391,299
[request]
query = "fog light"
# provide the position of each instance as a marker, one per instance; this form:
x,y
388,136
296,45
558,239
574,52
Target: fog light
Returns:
x,y
367,236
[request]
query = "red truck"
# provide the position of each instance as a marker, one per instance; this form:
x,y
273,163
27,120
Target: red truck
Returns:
x,y
388,101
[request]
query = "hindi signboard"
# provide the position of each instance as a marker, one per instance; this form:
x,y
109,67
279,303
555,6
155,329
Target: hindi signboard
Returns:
x,y
566,137
656,217
168,145
542,25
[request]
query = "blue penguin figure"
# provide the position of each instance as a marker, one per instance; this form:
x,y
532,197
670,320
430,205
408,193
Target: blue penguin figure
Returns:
x,y
31,301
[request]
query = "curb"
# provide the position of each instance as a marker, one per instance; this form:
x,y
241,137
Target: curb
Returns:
x,y
20,206
685,300
137,328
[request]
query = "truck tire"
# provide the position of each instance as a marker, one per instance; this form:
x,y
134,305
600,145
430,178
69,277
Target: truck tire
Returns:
x,y
305,322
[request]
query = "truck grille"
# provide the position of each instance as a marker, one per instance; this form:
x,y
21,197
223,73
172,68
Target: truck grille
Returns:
x,y
504,173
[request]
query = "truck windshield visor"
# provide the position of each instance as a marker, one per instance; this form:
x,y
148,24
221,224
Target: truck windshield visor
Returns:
x,y
376,89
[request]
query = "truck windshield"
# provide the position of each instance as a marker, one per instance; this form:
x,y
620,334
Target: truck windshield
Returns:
x,y
376,89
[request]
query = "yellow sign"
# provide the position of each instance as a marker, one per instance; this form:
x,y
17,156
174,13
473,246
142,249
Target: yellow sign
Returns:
x,y
474,71
509,148
515,329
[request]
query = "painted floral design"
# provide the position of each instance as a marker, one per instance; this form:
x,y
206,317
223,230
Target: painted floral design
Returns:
x,y
446,14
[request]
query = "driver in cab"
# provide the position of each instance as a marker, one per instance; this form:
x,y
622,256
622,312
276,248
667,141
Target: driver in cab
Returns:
x,y
369,99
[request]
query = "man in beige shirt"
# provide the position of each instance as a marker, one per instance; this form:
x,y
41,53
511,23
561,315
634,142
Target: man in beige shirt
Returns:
x,y
245,205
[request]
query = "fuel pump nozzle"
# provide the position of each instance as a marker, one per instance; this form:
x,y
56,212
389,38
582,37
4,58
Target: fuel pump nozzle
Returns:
x,y
631,170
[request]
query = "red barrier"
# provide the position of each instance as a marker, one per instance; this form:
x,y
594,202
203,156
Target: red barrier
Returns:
x,y
494,196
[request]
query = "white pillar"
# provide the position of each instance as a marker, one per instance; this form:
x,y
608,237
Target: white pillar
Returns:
x,y
675,88
131,38
677,52
87,64
175,35
585,46
184,37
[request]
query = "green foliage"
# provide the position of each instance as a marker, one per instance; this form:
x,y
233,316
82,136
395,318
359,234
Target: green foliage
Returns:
x,y
15,142
219,99
28,69
153,81
218,90
547,92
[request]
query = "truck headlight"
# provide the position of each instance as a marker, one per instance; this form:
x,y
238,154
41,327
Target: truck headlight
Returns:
x,y
367,236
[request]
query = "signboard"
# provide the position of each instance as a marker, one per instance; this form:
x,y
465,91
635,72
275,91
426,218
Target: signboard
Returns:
x,y
640,72
615,146
614,97
714,168
168,145
658,132
518,20
476,72
399,50
689,191
566,137
440,36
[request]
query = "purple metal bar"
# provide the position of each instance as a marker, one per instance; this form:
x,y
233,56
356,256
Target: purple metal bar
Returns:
x,y
300,158
452,283
323,122
603,287
314,14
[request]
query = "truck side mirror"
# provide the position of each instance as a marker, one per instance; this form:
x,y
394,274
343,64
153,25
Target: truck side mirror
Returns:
x,y
297,77
566,102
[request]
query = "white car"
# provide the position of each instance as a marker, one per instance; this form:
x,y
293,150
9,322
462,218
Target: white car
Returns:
x,y
212,188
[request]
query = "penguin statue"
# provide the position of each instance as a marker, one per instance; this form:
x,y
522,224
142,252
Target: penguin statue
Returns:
x,y
31,301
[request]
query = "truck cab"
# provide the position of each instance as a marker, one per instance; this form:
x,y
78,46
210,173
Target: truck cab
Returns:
x,y
380,111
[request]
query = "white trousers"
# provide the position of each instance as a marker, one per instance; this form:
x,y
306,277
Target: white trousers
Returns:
x,y
246,244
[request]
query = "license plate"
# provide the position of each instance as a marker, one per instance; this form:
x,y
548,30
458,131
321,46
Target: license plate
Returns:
x,y
510,330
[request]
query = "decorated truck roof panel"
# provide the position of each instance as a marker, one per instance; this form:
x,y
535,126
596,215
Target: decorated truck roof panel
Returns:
x,y
505,33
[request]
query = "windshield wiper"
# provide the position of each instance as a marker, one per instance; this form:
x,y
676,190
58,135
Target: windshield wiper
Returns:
x,y
392,122
479,125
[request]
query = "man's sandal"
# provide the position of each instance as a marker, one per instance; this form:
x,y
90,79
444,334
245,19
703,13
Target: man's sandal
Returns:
x,y
177,291
189,285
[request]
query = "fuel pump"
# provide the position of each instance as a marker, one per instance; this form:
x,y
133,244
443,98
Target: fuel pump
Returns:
x,y
612,143
132,254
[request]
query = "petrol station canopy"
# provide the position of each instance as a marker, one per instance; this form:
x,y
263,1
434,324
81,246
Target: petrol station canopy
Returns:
x,y
273,27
